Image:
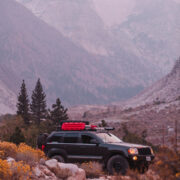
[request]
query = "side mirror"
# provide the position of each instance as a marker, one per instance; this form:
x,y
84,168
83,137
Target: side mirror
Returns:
x,y
94,141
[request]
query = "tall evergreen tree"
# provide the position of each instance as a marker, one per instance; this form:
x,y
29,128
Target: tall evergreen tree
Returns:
x,y
23,104
58,112
38,104
17,137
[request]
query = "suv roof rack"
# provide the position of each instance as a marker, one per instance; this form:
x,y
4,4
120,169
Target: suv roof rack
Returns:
x,y
81,126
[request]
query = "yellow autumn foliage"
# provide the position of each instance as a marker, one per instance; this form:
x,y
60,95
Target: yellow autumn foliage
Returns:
x,y
23,148
8,149
21,170
28,154
25,157
5,172
15,170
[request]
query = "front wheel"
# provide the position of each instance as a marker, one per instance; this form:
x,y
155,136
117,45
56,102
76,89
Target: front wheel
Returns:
x,y
117,164
143,169
59,158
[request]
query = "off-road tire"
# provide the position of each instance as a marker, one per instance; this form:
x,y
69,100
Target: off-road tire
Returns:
x,y
59,158
143,169
117,164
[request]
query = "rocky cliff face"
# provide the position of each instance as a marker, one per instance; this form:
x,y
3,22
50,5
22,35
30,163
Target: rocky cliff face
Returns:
x,y
7,99
152,32
163,91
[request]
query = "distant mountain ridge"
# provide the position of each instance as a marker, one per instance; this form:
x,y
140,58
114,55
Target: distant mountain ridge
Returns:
x,y
150,31
31,49
165,90
77,57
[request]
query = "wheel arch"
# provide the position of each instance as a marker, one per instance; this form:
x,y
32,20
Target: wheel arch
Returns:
x,y
114,153
55,152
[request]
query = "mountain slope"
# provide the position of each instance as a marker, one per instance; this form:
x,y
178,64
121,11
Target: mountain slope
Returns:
x,y
7,99
152,32
74,19
147,30
163,91
30,49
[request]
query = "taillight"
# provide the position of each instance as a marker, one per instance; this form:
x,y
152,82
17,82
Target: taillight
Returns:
x,y
43,147
93,127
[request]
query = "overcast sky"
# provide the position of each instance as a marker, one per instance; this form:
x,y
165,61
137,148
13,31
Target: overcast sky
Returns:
x,y
115,11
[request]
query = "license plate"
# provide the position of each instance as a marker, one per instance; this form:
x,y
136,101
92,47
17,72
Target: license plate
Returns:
x,y
148,158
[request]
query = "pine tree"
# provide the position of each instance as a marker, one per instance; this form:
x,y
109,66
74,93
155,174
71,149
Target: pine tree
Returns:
x,y
58,113
17,137
23,104
38,104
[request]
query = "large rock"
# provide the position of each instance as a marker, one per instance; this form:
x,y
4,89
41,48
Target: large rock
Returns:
x,y
65,171
41,172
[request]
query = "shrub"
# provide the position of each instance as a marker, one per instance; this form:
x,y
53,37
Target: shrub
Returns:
x,y
8,149
20,170
5,172
167,163
28,154
92,169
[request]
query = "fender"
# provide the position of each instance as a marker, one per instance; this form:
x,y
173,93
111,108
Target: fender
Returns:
x,y
115,152
57,151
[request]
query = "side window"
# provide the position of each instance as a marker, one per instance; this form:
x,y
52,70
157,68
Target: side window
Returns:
x,y
86,139
56,138
71,137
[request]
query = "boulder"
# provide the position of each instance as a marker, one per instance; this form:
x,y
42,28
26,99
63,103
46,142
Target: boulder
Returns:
x,y
65,171
10,160
80,175
42,172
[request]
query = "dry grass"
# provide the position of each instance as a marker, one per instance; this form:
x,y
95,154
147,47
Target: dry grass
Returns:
x,y
92,169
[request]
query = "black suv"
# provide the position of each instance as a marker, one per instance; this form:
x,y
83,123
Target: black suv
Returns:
x,y
94,145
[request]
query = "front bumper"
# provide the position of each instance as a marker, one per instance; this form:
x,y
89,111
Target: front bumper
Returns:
x,y
136,160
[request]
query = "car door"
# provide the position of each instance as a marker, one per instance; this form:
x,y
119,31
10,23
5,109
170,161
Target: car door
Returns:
x,y
71,144
88,150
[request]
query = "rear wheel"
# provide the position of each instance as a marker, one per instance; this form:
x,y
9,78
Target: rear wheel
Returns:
x,y
59,158
117,164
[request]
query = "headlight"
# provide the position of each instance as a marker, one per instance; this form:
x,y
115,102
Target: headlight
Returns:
x,y
133,151
152,152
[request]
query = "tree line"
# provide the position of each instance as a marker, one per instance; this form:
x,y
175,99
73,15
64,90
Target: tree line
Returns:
x,y
36,111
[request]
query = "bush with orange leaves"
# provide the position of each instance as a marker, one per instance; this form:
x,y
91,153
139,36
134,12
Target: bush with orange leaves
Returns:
x,y
8,150
20,170
28,154
22,152
15,170
5,172
25,157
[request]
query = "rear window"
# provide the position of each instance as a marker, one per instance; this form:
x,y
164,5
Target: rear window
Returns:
x,y
71,137
56,138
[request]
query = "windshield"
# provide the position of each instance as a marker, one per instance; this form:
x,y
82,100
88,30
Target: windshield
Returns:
x,y
108,138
